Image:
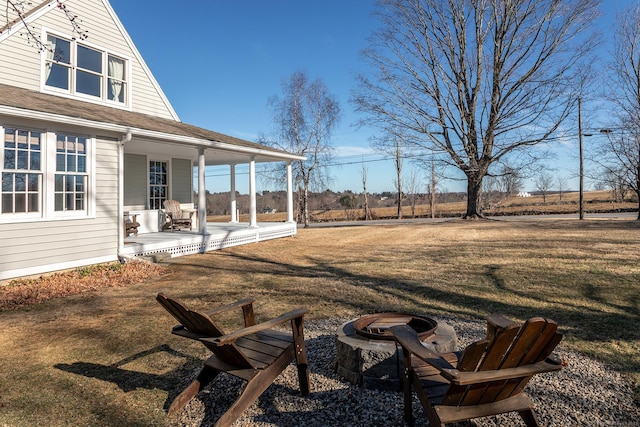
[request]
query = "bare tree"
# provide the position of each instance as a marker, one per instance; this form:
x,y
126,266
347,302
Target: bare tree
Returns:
x,y
616,181
367,210
491,192
412,188
305,117
491,78
16,13
398,162
432,188
562,185
543,182
392,142
510,180
619,155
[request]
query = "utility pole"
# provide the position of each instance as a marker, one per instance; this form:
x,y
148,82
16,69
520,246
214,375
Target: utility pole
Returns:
x,y
581,197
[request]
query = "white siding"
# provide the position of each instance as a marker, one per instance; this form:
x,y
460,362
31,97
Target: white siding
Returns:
x,y
21,63
181,180
37,246
135,181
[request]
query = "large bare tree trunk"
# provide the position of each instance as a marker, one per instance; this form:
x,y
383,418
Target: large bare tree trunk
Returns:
x,y
474,194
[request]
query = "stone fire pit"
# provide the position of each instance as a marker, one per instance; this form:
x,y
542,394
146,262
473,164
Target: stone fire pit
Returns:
x,y
367,355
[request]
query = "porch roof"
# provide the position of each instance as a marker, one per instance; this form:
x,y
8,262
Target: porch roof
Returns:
x,y
26,103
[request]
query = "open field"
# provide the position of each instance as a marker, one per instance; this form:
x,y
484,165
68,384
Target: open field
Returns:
x,y
594,202
107,358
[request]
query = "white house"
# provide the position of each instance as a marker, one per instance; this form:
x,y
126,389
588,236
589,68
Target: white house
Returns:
x,y
87,137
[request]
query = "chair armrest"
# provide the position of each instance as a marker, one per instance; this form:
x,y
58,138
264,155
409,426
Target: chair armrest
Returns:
x,y
466,378
229,338
240,303
408,338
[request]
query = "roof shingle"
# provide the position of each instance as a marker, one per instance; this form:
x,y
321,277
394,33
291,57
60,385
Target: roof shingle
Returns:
x,y
16,97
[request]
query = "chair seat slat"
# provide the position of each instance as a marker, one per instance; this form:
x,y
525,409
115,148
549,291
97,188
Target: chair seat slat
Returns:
x,y
263,347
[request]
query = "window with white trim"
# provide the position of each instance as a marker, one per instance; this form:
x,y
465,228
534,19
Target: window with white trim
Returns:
x,y
21,172
45,175
71,177
158,184
78,69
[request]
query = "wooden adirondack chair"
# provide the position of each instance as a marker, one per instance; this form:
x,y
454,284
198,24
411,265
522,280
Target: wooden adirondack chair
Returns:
x,y
257,353
176,218
487,378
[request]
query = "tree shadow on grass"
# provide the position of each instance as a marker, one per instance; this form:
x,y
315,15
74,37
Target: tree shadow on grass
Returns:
x,y
583,322
129,379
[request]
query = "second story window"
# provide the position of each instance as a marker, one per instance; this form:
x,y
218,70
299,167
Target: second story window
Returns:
x,y
89,71
58,66
81,70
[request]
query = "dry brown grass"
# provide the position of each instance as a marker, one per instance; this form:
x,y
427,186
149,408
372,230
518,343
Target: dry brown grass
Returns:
x,y
107,357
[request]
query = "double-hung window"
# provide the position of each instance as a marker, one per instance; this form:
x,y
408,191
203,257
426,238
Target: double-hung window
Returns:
x,y
158,184
45,175
21,172
77,69
71,177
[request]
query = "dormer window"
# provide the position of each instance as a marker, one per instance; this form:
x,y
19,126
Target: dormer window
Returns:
x,y
81,70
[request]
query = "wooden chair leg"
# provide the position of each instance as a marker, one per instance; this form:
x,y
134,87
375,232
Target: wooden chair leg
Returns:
x,y
406,387
301,356
206,375
254,388
529,418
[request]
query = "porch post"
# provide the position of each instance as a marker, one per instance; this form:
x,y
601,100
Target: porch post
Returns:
x,y
289,193
202,194
233,206
253,221
121,232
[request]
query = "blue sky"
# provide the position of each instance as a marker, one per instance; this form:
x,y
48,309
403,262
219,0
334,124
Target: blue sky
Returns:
x,y
219,61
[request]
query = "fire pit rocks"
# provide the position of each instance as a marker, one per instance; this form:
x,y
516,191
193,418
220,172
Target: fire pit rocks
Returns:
x,y
367,355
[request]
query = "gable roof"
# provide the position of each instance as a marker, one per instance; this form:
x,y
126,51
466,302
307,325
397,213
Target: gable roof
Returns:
x,y
20,102
107,33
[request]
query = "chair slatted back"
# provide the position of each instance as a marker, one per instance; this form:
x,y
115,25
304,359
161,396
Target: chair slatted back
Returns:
x,y
173,208
511,347
202,324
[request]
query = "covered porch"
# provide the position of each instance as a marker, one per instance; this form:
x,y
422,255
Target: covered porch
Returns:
x,y
155,167
217,236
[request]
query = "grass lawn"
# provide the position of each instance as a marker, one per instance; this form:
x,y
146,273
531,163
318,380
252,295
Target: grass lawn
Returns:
x,y
107,357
